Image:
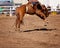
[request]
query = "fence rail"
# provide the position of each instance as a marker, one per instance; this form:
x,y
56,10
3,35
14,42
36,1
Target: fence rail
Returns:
x,y
7,9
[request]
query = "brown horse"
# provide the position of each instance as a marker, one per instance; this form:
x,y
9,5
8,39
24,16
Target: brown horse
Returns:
x,y
39,10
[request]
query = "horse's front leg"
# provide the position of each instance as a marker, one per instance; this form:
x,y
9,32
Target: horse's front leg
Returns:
x,y
42,16
45,22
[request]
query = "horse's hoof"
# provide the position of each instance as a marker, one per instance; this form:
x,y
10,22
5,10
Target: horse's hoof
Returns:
x,y
17,29
47,22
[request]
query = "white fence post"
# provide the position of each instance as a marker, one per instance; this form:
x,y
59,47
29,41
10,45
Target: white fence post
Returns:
x,y
10,11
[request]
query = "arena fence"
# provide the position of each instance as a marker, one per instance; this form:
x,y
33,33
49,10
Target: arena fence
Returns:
x,y
7,9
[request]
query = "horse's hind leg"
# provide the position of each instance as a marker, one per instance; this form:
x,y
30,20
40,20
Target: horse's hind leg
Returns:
x,y
19,21
16,23
21,18
18,27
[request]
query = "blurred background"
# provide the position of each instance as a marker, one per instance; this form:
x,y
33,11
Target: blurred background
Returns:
x,y
8,6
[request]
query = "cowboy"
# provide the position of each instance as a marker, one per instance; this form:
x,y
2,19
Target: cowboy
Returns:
x,y
34,2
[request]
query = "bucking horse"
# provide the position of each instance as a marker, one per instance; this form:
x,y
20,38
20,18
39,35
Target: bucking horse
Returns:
x,y
38,9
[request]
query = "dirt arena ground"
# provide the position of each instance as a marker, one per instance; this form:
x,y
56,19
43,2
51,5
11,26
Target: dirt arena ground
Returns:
x,y
34,34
